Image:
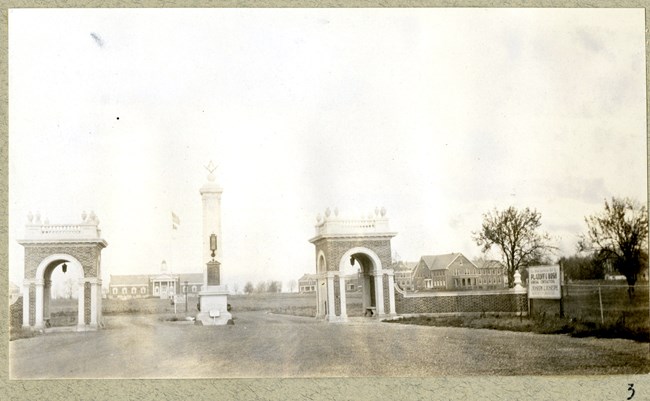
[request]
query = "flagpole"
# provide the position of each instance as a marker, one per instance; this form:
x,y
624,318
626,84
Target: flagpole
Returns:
x,y
176,222
171,256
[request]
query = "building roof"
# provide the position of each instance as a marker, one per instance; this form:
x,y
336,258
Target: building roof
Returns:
x,y
401,265
191,277
129,279
143,279
438,262
489,264
308,276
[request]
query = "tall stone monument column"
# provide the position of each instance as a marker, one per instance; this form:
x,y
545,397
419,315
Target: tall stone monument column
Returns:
x,y
211,199
213,298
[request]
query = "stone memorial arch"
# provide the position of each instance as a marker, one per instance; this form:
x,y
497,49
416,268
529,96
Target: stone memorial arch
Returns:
x,y
364,242
73,247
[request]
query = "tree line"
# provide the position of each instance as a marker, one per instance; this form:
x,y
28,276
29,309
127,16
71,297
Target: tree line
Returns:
x,y
616,238
263,287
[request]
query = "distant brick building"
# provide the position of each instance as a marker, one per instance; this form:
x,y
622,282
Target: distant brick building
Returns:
x,y
307,283
454,271
404,274
492,275
162,285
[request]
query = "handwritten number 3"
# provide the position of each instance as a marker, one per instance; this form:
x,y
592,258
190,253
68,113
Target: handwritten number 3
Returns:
x,y
631,388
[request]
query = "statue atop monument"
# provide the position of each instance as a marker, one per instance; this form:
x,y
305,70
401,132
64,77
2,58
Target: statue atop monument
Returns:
x,y
211,167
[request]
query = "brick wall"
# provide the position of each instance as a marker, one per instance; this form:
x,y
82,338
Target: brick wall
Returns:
x,y
32,304
334,249
461,302
337,296
386,295
86,303
87,254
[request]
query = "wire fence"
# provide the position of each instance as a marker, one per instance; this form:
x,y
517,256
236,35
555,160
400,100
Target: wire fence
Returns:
x,y
607,304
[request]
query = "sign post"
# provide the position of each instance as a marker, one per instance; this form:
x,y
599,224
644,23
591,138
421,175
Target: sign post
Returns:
x,y
544,283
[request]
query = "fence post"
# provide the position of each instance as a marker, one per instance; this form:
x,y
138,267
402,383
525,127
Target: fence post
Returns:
x,y
561,292
600,300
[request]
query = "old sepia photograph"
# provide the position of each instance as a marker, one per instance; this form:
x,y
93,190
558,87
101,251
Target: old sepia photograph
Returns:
x,y
327,193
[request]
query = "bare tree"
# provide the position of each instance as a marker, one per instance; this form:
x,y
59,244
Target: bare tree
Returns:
x,y
69,288
235,288
273,286
515,234
261,287
248,288
619,235
292,285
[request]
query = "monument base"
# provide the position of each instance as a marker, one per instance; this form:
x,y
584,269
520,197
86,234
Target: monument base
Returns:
x,y
213,304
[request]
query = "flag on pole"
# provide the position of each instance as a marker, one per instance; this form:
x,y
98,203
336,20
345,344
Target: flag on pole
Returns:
x,y
175,221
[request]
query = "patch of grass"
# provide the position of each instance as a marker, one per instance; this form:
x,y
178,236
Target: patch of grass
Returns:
x,y
539,324
179,317
19,333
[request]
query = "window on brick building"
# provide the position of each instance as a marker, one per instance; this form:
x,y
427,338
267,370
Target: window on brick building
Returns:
x,y
114,291
124,291
134,290
193,288
143,290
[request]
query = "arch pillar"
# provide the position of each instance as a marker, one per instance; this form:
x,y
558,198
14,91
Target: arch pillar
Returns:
x,y
379,293
38,314
344,311
81,315
331,305
93,302
320,298
391,292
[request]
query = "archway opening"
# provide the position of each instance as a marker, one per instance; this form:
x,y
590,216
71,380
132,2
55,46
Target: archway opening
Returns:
x,y
60,293
359,284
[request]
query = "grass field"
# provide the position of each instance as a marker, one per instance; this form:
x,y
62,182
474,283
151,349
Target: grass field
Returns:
x,y
289,304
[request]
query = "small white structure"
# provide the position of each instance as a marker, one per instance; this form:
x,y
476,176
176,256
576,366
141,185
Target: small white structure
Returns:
x,y
213,299
518,289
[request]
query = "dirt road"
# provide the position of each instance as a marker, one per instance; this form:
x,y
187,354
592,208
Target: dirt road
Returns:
x,y
267,345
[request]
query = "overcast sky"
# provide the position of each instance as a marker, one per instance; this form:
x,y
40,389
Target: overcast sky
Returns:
x,y
438,115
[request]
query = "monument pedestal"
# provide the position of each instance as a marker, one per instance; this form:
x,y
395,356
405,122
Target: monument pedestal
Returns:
x,y
213,304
